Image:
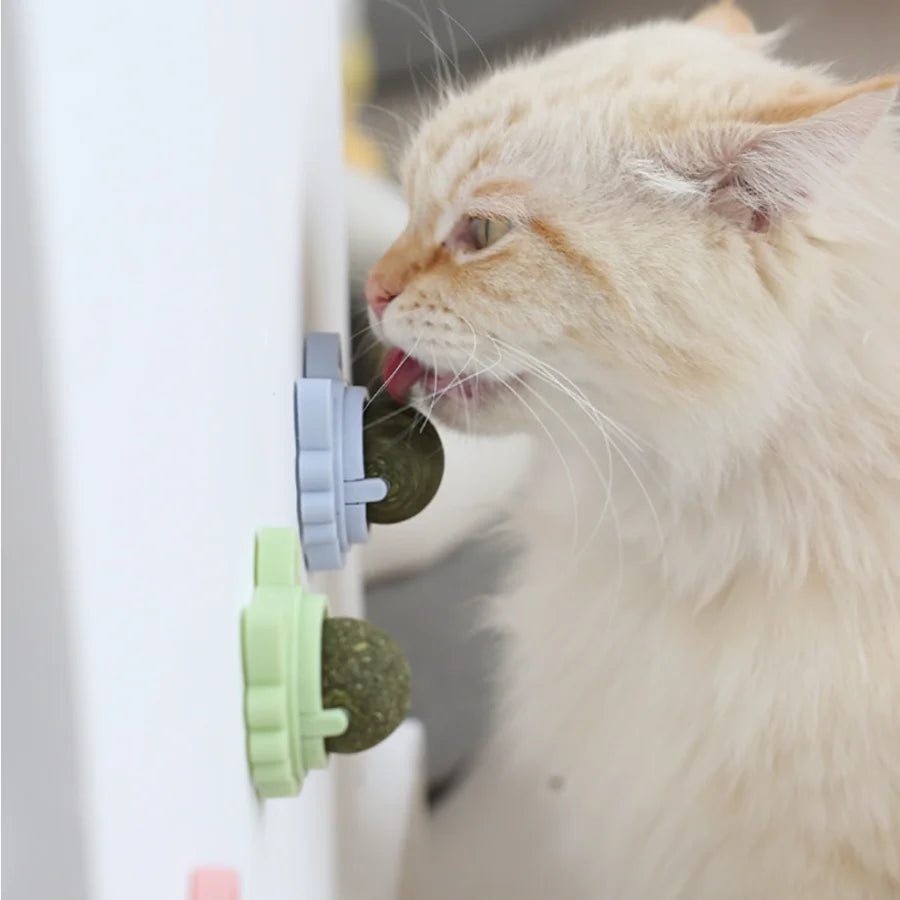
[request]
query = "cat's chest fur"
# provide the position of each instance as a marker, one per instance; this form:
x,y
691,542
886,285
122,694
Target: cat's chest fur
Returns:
x,y
749,735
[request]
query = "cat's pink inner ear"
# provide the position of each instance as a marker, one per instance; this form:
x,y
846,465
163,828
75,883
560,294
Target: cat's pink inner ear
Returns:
x,y
770,171
725,16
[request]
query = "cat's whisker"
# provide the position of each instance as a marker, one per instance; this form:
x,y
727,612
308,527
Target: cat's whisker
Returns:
x,y
462,369
469,325
458,379
405,433
387,417
434,369
391,377
609,502
612,444
564,384
361,344
572,390
570,479
606,481
362,351
538,369
474,348
366,328
471,376
589,408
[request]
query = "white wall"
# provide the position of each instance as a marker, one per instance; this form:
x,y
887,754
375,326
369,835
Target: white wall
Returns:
x,y
40,776
176,197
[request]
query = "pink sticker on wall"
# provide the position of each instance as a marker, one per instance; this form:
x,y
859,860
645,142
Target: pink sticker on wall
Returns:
x,y
214,884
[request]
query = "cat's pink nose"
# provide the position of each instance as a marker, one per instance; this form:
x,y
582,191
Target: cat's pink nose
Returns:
x,y
379,293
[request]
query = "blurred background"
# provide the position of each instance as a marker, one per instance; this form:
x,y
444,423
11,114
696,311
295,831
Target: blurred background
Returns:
x,y
427,580
859,37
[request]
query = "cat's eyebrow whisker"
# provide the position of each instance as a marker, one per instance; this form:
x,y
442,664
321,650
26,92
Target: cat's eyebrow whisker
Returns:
x,y
412,77
469,35
424,22
454,50
442,60
408,126
441,64
394,142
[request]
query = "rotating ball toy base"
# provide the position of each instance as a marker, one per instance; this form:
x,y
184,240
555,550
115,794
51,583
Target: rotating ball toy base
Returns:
x,y
314,685
358,462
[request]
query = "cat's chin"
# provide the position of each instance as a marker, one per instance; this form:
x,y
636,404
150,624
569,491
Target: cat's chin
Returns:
x,y
475,402
491,410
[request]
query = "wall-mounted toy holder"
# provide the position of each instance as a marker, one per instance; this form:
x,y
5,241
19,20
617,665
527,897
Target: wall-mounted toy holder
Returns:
x,y
332,488
314,685
358,461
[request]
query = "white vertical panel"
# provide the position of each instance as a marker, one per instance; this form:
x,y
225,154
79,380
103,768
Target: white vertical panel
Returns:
x,y
184,163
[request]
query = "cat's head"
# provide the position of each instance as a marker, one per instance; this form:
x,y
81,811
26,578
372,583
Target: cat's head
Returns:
x,y
623,223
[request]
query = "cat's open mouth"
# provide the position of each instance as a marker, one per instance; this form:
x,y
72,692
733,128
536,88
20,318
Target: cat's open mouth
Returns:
x,y
403,372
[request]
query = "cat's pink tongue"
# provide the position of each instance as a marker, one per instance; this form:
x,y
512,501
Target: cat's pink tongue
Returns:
x,y
401,372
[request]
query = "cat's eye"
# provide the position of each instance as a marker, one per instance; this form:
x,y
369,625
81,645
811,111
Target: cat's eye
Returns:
x,y
484,232
472,233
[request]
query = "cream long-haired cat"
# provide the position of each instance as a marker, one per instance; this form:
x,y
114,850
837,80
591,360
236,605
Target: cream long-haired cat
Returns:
x,y
676,260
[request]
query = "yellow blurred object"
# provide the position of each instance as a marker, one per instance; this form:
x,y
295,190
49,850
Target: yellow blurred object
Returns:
x,y
358,65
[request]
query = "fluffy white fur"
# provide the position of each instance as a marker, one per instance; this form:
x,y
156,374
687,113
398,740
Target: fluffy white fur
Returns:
x,y
697,313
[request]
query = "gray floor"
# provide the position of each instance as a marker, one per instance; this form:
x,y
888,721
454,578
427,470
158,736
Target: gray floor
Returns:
x,y
434,614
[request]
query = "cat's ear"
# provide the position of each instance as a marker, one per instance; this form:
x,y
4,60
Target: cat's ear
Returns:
x,y
786,157
725,16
